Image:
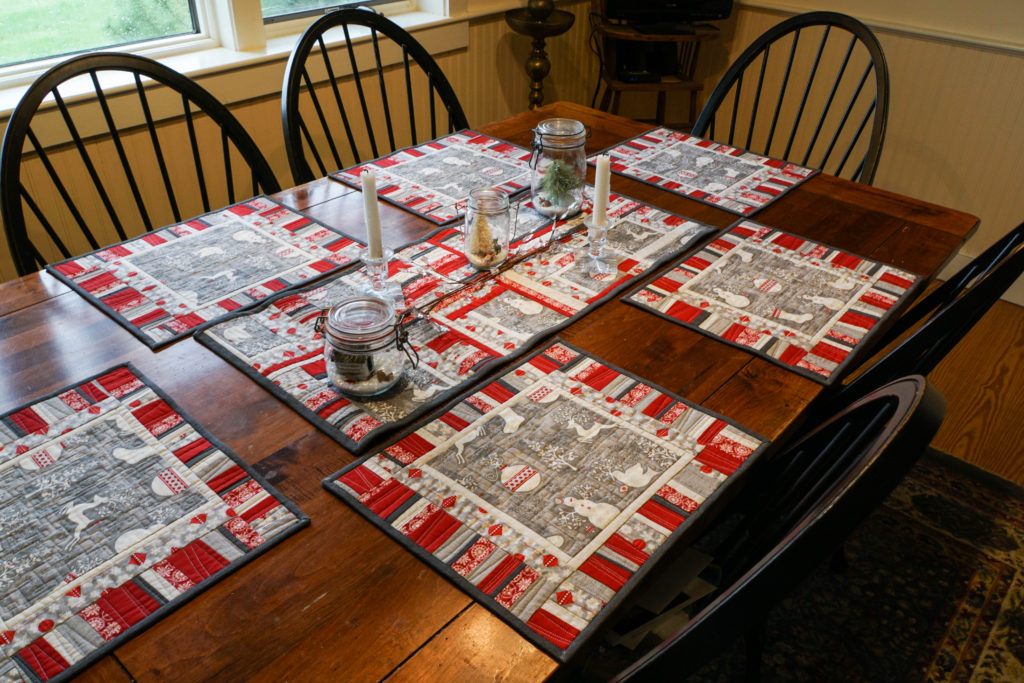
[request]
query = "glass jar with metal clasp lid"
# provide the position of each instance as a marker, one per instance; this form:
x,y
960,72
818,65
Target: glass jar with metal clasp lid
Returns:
x,y
559,167
363,346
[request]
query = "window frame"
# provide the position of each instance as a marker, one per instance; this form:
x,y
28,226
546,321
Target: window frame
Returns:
x,y
236,25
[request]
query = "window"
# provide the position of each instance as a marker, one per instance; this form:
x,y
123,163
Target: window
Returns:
x,y
277,10
49,28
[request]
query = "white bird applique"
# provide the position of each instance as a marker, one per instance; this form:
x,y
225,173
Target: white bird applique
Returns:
x,y
634,476
599,514
587,433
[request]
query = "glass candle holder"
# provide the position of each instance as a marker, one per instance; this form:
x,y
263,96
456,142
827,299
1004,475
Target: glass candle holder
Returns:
x,y
490,222
594,259
377,275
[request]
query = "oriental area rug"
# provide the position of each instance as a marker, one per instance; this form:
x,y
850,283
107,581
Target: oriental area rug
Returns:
x,y
934,591
115,508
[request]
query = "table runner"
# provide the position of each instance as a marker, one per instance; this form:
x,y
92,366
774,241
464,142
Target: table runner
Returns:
x,y
801,304
732,179
548,493
276,345
164,284
115,508
434,179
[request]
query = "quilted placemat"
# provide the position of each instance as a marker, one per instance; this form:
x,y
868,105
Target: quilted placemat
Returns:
x,y
115,508
804,305
164,284
548,493
463,321
732,179
434,179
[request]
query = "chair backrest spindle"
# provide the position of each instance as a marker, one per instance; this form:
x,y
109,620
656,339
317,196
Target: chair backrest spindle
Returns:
x,y
386,123
836,140
101,131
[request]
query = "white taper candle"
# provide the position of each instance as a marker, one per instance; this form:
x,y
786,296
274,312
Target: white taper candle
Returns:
x,y
369,182
601,180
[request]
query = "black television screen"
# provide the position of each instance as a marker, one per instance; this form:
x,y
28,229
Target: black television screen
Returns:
x,y
665,12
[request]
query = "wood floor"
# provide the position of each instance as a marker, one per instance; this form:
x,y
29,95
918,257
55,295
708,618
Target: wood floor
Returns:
x,y
983,382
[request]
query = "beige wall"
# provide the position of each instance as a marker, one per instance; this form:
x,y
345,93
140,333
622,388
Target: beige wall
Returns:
x,y
955,125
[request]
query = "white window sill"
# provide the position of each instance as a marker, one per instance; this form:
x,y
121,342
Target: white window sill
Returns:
x,y
217,68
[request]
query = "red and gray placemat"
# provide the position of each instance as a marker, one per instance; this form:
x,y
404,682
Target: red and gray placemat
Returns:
x,y
804,305
732,179
469,320
549,492
434,179
164,284
115,508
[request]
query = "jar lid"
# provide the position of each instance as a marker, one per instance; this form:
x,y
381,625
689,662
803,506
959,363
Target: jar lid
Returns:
x,y
489,200
361,319
560,127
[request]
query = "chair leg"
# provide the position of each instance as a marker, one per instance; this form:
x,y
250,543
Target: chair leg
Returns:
x,y
606,99
615,101
754,639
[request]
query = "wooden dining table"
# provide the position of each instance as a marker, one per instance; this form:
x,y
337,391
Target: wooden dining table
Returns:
x,y
340,600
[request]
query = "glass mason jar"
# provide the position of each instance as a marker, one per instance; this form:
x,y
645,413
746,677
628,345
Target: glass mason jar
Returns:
x,y
360,346
559,165
490,222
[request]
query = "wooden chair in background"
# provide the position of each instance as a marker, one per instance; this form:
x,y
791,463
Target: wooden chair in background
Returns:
x,y
376,121
823,103
114,159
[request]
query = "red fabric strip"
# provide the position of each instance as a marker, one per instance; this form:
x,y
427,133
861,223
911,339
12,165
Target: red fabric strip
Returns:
x,y
192,449
497,576
657,405
553,629
497,392
360,479
605,571
227,478
620,545
386,498
659,514
29,421
260,509
43,659
431,528
197,561
544,364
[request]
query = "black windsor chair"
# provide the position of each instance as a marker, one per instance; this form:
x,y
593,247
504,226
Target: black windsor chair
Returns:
x,y
130,156
949,312
315,100
807,499
830,93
